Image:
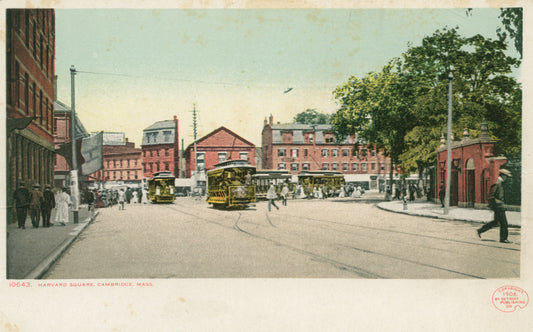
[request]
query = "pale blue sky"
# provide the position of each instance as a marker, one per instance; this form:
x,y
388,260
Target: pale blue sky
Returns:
x,y
233,64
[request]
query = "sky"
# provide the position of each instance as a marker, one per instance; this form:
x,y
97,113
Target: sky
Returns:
x,y
139,66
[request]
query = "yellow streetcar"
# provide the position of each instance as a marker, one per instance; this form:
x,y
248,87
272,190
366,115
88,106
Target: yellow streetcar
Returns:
x,y
161,188
330,182
230,185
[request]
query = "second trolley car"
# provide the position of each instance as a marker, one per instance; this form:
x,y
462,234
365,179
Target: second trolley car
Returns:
x,y
263,179
330,182
161,188
230,185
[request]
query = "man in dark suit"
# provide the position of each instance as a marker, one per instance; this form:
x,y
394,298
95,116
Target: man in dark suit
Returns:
x,y
496,204
48,204
21,196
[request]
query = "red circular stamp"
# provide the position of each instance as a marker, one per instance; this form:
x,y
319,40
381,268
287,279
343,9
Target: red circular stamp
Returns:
x,y
508,298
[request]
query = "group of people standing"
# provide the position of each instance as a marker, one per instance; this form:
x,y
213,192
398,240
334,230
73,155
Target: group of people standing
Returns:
x,y
40,203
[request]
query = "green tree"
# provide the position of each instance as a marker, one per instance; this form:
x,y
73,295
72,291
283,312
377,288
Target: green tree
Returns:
x,y
375,108
512,22
311,116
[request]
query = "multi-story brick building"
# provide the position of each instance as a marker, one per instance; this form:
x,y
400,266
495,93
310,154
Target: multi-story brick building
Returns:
x,y
122,162
220,145
30,52
63,135
160,148
304,147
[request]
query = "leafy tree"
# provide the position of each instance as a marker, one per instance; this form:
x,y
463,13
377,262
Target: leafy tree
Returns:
x,y
375,109
512,22
403,108
311,116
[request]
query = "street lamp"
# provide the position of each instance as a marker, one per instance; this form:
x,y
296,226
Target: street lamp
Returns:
x,y
74,171
449,144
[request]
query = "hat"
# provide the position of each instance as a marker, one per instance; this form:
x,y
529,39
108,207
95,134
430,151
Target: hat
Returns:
x,y
36,185
48,186
505,172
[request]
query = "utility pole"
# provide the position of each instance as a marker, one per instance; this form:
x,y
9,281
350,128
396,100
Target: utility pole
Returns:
x,y
194,124
74,171
449,146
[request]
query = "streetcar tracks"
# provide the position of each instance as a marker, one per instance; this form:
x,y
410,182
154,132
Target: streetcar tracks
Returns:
x,y
333,243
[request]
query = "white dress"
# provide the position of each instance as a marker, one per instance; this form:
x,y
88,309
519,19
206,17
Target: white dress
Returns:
x,y
62,203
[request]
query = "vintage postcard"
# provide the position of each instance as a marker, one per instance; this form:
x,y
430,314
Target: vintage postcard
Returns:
x,y
266,165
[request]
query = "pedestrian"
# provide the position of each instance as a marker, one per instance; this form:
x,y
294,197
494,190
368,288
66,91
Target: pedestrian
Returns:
x,y
271,196
496,204
121,199
284,194
89,197
36,199
442,195
49,203
145,195
62,203
21,197
134,197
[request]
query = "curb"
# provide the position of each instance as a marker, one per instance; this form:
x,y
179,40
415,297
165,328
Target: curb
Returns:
x,y
41,269
437,217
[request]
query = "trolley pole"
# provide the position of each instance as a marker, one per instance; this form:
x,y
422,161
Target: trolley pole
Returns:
x,y
74,172
449,147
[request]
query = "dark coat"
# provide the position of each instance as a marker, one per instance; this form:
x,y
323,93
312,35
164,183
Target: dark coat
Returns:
x,y
49,201
22,197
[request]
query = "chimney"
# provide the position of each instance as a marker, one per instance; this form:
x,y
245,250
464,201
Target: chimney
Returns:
x,y
271,120
265,122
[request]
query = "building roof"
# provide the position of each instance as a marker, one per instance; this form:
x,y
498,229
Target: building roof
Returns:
x,y
216,131
166,124
300,126
81,132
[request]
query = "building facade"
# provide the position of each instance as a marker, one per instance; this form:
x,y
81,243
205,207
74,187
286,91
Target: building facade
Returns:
x,y
63,135
220,145
122,162
304,147
30,94
160,148
474,169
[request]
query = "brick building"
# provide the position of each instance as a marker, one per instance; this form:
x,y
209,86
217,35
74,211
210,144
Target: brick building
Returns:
x,y
474,169
62,135
160,148
122,162
220,145
30,72
304,147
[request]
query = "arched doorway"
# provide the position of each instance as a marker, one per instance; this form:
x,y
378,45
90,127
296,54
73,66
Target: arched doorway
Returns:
x,y
470,182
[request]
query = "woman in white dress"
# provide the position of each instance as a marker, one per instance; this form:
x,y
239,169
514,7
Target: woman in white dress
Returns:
x,y
62,203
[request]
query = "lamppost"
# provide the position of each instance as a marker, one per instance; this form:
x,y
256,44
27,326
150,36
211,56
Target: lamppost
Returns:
x,y
74,171
449,145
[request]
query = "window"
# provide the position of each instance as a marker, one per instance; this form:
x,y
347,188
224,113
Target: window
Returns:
x,y
325,166
382,166
373,166
281,152
166,135
325,152
345,167
294,153
335,152
305,166
306,152
294,166
167,167
166,152
286,137
345,152
311,137
373,153
335,166
355,167
281,166
221,157
243,155
157,152
363,167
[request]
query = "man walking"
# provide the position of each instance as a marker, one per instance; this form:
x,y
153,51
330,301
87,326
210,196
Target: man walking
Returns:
x,y
271,196
496,204
121,199
49,203
35,205
21,196
284,194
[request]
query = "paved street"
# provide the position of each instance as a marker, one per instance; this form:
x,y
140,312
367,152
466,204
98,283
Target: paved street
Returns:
x,y
306,239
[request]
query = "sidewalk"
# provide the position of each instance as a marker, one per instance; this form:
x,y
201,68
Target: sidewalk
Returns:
x,y
424,208
32,251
